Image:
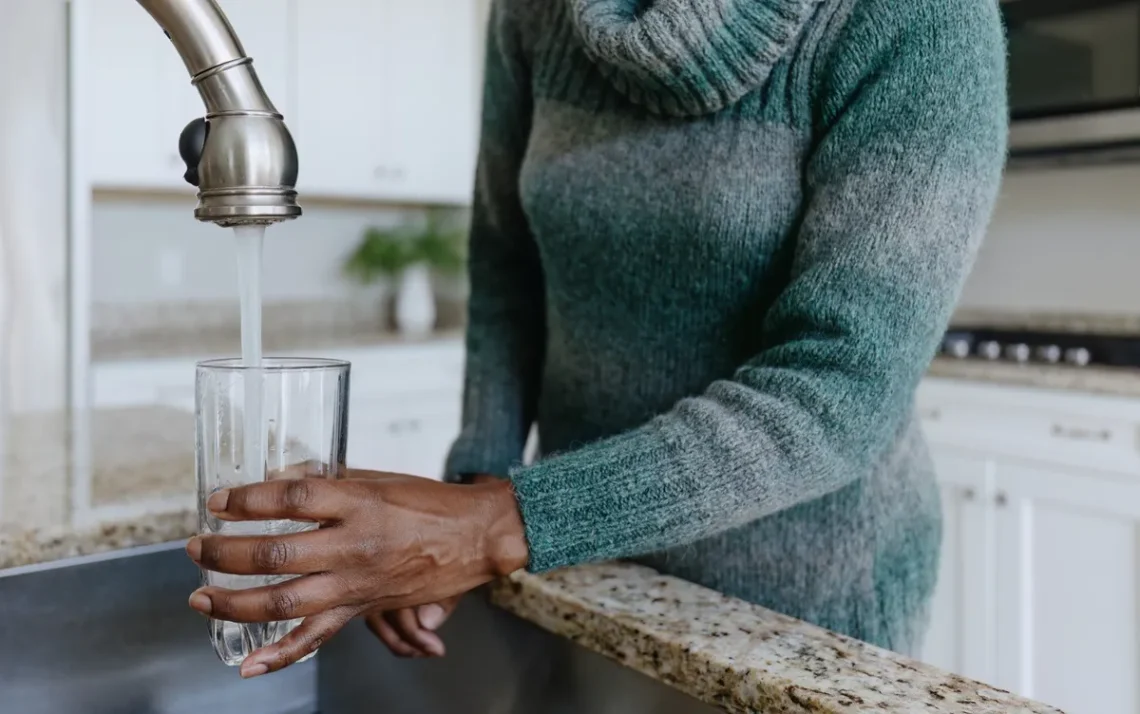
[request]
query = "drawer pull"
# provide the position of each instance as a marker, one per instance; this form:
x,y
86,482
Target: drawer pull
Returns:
x,y
931,415
1078,434
401,427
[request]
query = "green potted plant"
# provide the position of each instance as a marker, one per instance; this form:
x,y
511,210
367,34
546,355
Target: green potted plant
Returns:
x,y
408,255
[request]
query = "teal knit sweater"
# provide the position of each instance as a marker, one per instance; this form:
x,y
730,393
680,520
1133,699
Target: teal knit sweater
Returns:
x,y
715,244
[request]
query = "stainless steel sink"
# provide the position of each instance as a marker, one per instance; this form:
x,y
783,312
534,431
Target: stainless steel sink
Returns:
x,y
113,635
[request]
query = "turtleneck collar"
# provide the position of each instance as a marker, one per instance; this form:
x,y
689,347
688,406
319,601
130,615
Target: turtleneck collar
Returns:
x,y
688,57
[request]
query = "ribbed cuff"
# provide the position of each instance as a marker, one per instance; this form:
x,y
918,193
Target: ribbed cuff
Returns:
x,y
602,502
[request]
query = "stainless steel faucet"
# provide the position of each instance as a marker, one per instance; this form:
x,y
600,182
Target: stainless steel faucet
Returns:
x,y
241,155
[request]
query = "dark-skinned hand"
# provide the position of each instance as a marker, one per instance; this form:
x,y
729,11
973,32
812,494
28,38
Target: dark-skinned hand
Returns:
x,y
410,632
388,543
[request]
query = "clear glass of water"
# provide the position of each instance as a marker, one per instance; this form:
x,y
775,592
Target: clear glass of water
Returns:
x,y
287,418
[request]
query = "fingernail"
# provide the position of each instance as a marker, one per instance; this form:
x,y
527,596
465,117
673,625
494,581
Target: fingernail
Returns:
x,y
435,647
253,670
430,616
194,549
218,501
201,602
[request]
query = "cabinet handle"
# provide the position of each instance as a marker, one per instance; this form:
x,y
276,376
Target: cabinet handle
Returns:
x,y
931,415
1078,434
969,494
399,427
1001,500
385,173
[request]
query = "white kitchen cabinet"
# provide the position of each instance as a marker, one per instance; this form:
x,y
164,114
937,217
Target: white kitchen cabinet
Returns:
x,y
387,99
412,438
404,400
1068,605
1039,589
130,94
138,96
961,628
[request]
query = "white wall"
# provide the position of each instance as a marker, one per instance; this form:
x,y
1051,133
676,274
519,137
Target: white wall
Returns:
x,y
149,249
1063,240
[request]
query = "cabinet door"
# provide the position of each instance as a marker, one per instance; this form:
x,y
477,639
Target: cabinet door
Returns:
x,y
412,438
387,99
134,81
436,90
1068,556
139,96
960,638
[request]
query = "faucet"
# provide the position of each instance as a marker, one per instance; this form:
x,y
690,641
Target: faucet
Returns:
x,y
240,155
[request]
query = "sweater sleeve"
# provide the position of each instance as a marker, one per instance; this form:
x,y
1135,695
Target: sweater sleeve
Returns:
x,y
506,328
910,120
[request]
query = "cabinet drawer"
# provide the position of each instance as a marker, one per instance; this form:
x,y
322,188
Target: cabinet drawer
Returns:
x,y
1070,434
410,437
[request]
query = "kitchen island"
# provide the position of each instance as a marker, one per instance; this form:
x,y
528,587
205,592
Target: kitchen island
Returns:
x,y
139,488
733,655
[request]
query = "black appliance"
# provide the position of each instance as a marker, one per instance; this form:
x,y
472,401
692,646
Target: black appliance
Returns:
x,y
1074,78
1033,347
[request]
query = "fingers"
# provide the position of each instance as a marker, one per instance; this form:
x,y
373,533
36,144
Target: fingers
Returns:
x,y
408,627
409,632
387,634
305,499
298,644
291,554
300,597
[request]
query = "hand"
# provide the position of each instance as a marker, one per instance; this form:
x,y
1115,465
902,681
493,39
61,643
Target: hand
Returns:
x,y
386,542
410,631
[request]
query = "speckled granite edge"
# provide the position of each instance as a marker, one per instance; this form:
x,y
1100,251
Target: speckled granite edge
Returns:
x,y
1120,382
734,655
44,546
1067,322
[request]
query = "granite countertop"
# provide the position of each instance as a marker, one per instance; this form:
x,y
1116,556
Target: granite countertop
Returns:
x,y
225,342
141,489
129,332
1112,381
734,655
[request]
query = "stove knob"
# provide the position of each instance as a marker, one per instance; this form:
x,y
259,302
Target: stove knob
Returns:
x,y
989,350
1017,353
958,348
1049,353
1078,356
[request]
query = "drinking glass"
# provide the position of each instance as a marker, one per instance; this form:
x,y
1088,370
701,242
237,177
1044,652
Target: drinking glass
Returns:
x,y
296,411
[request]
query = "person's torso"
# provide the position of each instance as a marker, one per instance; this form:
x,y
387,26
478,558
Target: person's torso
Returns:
x,y
663,240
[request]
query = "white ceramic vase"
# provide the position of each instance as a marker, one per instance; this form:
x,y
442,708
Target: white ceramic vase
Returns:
x,y
415,302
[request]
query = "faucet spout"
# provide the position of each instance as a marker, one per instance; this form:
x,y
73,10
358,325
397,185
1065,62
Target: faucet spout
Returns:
x,y
242,158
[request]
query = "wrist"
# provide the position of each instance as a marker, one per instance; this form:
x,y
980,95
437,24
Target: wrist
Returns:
x,y
503,534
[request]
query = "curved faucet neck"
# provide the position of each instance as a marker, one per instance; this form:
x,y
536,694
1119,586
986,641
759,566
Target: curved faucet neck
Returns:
x,y
247,170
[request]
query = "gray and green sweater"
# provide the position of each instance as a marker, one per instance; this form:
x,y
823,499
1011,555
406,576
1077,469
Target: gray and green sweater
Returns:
x,y
715,244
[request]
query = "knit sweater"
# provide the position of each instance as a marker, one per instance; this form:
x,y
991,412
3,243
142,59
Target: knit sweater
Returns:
x,y
714,246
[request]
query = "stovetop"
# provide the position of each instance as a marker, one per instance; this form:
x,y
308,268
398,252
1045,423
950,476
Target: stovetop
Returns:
x,y
1028,347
